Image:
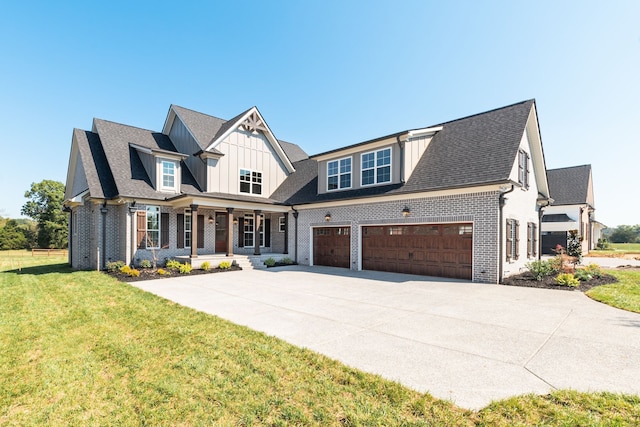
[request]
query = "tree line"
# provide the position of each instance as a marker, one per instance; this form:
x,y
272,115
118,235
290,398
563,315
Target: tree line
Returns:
x,y
623,234
48,227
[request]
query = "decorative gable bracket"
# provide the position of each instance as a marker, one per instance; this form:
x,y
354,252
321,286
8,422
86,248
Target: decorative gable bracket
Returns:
x,y
254,123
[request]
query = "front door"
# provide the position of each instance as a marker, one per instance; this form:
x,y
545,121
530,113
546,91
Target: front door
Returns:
x,y
222,234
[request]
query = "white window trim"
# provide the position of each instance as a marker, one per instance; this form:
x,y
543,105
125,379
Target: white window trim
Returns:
x,y
338,175
156,211
253,221
281,224
187,213
176,174
251,172
375,167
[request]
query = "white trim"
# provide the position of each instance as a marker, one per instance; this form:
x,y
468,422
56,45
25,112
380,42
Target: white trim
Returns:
x,y
416,133
161,175
314,226
187,212
338,175
281,225
251,183
262,224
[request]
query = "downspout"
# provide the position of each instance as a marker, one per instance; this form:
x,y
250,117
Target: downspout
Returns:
x,y
401,144
295,234
68,210
501,202
103,211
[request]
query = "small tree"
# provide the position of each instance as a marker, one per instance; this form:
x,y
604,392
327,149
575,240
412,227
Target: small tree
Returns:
x,y
45,207
574,246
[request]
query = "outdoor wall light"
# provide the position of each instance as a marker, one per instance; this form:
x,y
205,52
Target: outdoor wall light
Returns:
x,y
210,219
235,221
406,211
327,217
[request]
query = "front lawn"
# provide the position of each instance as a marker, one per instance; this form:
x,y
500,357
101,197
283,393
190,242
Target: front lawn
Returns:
x,y
81,348
625,294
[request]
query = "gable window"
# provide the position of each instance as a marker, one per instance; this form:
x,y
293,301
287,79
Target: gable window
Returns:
x,y
249,229
153,227
532,240
168,175
187,228
513,239
339,174
523,168
376,167
250,181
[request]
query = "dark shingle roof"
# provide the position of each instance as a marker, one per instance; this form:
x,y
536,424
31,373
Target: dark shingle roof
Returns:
x,y
293,151
203,126
471,151
569,186
557,218
129,175
94,162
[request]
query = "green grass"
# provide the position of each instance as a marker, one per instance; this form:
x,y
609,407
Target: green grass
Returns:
x,y
625,294
618,249
80,348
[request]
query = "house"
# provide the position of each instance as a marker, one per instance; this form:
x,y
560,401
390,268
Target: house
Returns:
x,y
458,199
572,208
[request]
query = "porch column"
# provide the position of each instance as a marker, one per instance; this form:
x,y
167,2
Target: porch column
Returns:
x,y
230,232
286,233
194,231
256,231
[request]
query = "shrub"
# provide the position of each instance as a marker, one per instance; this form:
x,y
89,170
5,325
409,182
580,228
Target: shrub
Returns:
x,y
145,263
540,269
172,264
185,268
163,272
594,270
206,266
286,261
125,269
567,279
582,275
269,262
574,246
114,266
133,272
603,244
224,265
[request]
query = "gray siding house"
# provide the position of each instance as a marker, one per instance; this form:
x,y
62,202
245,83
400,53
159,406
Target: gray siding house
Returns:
x,y
459,199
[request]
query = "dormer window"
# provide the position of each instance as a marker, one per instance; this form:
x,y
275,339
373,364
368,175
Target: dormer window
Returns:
x,y
339,174
376,167
250,181
168,175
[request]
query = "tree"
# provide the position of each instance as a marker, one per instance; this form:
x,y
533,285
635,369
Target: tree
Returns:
x,y
625,234
13,237
45,207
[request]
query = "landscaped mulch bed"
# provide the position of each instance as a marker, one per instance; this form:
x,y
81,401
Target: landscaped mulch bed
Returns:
x,y
527,280
151,274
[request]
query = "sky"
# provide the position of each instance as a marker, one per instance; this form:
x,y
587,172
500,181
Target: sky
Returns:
x,y
324,74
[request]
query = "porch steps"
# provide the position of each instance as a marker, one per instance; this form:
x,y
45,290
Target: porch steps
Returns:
x,y
249,262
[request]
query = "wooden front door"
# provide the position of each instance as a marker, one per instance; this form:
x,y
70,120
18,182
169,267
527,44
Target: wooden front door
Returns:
x,y
222,234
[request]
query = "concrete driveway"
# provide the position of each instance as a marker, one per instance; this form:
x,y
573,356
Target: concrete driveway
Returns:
x,y
464,342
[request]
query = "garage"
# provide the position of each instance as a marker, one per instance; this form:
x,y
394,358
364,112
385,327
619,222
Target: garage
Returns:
x,y
332,246
551,239
442,250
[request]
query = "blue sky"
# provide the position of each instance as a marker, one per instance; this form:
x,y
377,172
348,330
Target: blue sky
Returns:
x,y
324,74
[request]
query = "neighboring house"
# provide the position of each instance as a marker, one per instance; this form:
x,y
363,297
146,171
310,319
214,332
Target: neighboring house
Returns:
x,y
459,199
572,208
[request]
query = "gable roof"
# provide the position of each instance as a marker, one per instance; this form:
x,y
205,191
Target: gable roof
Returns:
x,y
94,162
129,174
569,186
471,151
202,126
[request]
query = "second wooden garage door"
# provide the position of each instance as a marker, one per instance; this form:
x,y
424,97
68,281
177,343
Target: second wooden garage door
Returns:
x,y
332,246
443,250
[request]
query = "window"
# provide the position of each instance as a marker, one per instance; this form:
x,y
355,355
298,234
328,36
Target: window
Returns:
x,y
153,227
532,240
281,224
523,168
168,175
339,174
512,234
250,181
376,167
249,227
187,228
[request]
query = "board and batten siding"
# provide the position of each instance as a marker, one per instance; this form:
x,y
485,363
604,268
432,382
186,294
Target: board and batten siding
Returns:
x,y
245,150
186,144
413,151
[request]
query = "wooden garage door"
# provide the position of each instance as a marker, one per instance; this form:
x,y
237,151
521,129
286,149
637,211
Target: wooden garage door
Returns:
x,y
443,250
332,246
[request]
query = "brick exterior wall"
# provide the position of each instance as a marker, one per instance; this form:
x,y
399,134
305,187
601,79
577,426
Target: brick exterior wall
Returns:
x,y
481,209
